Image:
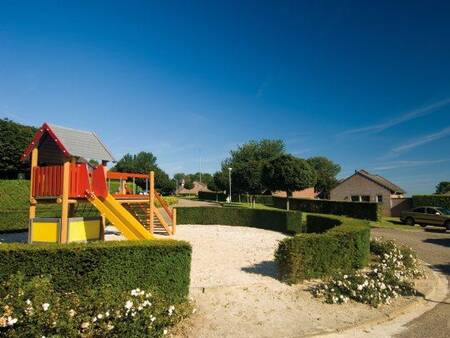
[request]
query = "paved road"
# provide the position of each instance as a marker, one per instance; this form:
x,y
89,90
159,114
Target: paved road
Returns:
x,y
433,247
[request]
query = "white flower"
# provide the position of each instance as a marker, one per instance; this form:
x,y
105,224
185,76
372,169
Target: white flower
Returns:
x,y
165,331
45,306
128,305
11,321
360,287
110,327
85,325
99,316
28,302
107,314
72,312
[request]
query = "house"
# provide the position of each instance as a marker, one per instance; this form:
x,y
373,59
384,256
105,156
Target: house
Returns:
x,y
198,186
305,193
363,186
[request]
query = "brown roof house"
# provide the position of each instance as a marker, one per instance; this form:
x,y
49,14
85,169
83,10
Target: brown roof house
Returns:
x,y
363,186
198,186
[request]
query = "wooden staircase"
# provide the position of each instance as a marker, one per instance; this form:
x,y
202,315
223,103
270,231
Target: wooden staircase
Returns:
x,y
161,225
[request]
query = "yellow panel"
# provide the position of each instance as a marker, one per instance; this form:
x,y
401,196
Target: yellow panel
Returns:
x,y
84,230
44,232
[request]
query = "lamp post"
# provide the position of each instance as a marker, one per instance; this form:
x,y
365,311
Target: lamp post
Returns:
x,y
229,181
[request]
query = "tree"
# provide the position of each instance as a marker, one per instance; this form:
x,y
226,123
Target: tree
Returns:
x,y
142,163
188,185
14,138
247,163
219,182
443,188
288,173
326,171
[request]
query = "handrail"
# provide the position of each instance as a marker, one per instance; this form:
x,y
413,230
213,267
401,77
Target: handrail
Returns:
x,y
164,204
115,175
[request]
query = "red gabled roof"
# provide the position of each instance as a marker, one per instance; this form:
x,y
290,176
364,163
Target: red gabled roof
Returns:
x,y
41,132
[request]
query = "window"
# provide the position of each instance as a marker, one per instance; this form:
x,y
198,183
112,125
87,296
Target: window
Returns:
x,y
365,198
432,211
380,198
355,198
420,210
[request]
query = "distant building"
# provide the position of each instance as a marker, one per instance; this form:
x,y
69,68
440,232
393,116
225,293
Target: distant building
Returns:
x,y
363,186
198,186
305,193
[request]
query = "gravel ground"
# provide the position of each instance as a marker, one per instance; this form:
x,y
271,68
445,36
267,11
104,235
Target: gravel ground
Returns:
x,y
234,287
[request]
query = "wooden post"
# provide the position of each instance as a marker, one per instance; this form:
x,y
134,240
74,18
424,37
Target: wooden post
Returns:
x,y
174,221
34,163
152,200
65,202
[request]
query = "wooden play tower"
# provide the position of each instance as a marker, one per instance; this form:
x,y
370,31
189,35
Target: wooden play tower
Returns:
x,y
60,173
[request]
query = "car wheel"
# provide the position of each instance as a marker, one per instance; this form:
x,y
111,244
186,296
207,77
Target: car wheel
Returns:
x,y
410,221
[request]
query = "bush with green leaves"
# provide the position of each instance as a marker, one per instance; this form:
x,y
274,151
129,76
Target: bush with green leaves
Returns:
x,y
331,244
391,275
278,220
33,308
442,201
160,265
363,210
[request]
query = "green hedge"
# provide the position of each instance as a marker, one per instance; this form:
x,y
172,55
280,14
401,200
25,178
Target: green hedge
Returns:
x,y
278,220
431,200
331,244
161,265
363,210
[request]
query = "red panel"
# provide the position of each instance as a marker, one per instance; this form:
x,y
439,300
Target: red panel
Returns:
x,y
99,182
79,180
47,181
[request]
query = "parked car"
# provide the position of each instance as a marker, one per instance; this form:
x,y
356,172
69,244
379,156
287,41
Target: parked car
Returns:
x,y
427,216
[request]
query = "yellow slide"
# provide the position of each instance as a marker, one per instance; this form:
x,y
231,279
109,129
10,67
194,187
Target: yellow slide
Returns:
x,y
120,217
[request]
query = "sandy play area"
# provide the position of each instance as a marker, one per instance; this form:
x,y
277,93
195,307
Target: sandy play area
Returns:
x,y
236,293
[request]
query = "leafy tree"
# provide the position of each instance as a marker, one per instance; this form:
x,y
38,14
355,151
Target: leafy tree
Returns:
x,y
247,163
219,182
326,171
288,173
143,163
443,188
188,185
14,138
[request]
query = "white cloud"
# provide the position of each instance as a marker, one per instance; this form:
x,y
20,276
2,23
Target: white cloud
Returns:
x,y
416,113
420,141
407,164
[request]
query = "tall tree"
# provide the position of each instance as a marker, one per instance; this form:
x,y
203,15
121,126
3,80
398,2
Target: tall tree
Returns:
x,y
288,173
14,138
326,171
247,163
144,162
443,187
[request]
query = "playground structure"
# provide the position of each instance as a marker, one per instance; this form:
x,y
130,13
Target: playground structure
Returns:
x,y
61,173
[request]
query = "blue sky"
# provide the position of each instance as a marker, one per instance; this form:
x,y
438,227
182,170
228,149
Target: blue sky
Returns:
x,y
366,84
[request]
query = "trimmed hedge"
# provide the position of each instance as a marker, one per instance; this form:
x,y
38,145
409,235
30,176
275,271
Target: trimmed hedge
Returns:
x,y
331,244
431,200
363,210
160,265
278,220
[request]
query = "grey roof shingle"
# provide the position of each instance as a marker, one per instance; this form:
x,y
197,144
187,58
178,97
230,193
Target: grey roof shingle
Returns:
x,y
81,143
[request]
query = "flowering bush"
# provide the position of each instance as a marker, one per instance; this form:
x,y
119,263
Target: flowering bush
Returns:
x,y
391,275
33,309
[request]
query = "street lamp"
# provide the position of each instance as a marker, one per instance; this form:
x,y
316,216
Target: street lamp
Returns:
x,y
229,181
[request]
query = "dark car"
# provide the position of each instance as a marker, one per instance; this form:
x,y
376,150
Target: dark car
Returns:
x,y
427,216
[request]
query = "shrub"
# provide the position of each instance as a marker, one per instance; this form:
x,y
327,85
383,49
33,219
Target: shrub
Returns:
x,y
431,200
212,196
390,276
160,265
32,308
340,244
278,220
363,210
